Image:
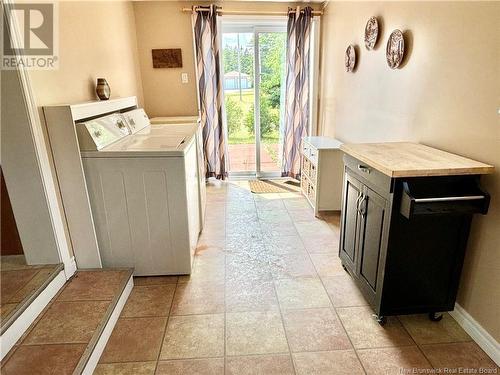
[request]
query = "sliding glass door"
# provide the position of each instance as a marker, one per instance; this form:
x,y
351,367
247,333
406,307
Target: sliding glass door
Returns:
x,y
238,55
254,83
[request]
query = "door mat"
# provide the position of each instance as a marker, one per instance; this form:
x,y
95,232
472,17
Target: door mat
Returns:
x,y
274,186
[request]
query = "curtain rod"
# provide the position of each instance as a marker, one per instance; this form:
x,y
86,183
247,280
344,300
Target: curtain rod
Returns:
x,y
251,12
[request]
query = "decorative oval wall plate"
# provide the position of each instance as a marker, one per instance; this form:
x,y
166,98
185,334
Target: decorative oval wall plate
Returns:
x,y
371,33
395,49
350,58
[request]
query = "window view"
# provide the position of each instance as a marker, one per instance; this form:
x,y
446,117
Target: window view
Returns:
x,y
239,94
272,48
240,90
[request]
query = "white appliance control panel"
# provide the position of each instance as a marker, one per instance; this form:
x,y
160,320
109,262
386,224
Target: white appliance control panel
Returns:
x,y
137,119
93,135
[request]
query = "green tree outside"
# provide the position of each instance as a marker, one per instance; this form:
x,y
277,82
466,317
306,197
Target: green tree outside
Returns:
x,y
240,113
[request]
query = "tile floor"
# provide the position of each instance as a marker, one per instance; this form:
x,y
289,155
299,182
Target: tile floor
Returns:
x,y
19,281
268,296
57,340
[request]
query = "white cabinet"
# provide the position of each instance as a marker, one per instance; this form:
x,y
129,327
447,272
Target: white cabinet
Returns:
x,y
322,171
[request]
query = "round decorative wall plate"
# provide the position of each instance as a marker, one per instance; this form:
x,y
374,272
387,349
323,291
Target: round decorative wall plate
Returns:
x,y
395,49
371,33
350,58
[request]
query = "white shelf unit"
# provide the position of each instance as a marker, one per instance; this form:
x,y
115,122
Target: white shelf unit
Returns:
x,y
322,171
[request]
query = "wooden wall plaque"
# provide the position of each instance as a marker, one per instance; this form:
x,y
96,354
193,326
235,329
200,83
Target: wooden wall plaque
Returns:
x,y
167,58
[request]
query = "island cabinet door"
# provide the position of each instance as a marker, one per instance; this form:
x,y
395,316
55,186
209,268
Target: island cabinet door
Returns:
x,y
350,218
373,214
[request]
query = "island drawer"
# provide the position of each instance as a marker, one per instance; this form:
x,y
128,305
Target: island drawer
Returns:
x,y
444,196
378,181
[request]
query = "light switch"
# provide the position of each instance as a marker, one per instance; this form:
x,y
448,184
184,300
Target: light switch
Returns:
x,y
184,78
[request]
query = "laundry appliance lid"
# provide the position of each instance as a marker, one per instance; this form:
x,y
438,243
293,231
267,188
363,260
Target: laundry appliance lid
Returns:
x,y
148,143
137,120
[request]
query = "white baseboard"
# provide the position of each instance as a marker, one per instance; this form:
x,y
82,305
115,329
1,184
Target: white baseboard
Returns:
x,y
70,267
28,316
477,332
106,333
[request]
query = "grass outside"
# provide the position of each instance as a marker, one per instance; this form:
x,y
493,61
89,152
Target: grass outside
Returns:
x,y
245,138
242,135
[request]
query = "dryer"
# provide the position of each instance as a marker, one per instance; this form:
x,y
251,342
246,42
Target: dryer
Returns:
x,y
184,125
144,193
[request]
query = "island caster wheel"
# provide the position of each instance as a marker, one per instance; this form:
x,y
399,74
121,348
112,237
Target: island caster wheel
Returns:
x,y
435,317
345,268
380,319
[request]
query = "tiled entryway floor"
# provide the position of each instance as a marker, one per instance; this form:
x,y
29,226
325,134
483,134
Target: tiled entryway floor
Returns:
x,y
60,339
19,281
268,295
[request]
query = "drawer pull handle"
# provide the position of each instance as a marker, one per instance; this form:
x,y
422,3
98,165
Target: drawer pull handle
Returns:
x,y
470,199
450,199
363,169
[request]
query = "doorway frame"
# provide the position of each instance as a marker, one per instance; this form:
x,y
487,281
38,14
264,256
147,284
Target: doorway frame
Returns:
x,y
27,313
256,26
41,151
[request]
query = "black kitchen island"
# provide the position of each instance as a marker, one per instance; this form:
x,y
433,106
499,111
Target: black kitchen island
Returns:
x,y
406,215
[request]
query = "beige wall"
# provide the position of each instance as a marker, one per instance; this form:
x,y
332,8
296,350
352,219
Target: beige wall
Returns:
x,y
161,24
97,39
447,96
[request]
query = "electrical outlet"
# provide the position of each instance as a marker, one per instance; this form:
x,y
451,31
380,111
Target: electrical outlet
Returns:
x,y
184,78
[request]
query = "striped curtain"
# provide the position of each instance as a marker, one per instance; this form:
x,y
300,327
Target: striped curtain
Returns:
x,y
210,90
297,89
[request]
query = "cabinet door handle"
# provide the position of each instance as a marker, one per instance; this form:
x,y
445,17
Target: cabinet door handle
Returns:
x,y
362,210
364,169
358,200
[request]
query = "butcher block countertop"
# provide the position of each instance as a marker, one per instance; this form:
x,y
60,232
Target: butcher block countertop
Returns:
x,y
405,159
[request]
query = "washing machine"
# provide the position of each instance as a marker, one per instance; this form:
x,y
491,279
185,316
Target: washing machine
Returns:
x,y
143,187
